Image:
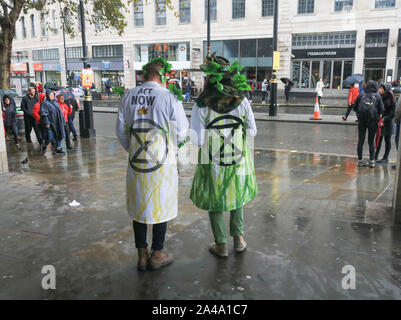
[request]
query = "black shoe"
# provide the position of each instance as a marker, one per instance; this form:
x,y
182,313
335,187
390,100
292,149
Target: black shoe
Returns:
x,y
383,161
43,149
60,151
69,147
394,167
75,139
345,118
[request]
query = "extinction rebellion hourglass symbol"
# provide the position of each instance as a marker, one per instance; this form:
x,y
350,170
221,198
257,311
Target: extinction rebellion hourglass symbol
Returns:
x,y
149,129
236,155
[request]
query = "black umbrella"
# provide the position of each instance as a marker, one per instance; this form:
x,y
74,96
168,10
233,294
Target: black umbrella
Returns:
x,y
351,80
9,93
68,93
55,87
284,79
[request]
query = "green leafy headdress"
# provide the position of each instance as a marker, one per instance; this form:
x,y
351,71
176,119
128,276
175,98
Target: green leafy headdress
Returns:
x,y
165,69
225,86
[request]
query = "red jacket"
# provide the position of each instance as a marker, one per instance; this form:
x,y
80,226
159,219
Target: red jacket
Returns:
x,y
352,95
65,109
36,107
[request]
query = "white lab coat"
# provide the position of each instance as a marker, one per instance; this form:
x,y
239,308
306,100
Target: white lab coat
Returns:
x,y
151,122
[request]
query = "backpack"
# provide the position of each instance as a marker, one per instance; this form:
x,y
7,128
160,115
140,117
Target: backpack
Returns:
x,y
367,108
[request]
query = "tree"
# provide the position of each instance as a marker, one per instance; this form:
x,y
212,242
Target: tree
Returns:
x,y
105,14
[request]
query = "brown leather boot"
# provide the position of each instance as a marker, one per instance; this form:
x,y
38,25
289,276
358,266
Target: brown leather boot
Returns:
x,y
159,259
219,250
143,257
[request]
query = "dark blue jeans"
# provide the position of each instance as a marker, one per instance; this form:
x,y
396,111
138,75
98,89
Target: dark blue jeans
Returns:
x,y
50,137
159,234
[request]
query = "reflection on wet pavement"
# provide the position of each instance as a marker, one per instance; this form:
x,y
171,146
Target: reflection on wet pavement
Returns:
x,y
314,214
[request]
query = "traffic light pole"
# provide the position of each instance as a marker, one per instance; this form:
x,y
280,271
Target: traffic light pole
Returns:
x,y
87,116
208,28
273,86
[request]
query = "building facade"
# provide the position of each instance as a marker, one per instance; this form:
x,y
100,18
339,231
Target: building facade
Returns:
x,y
328,39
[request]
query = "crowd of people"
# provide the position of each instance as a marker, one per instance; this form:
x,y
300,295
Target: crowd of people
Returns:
x,y
49,115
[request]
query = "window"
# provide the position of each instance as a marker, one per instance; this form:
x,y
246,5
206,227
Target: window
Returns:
x,y
74,53
23,27
306,6
33,32
343,5
15,32
267,8
43,24
377,38
108,51
45,54
238,9
168,51
185,11
54,21
213,10
384,4
138,14
340,40
161,12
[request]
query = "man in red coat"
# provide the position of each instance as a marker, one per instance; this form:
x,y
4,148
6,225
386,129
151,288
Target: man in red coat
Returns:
x,y
353,93
66,110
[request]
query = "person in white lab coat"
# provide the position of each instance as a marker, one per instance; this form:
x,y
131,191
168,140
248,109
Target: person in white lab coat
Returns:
x,y
151,124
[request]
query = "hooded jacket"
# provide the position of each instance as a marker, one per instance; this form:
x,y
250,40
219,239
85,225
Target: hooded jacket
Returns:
x,y
372,90
36,108
10,112
389,110
27,104
50,114
352,95
65,109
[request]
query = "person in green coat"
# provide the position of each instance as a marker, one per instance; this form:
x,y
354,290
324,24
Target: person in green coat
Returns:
x,y
224,180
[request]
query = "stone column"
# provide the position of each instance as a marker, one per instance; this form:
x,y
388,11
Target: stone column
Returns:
x,y
392,52
129,72
359,51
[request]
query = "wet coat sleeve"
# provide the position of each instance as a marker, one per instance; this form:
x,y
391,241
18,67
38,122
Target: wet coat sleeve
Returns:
x,y
36,112
397,116
379,105
44,114
122,130
390,115
24,106
177,115
251,129
197,133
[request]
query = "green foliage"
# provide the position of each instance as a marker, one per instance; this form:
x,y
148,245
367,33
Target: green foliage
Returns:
x,y
177,92
119,91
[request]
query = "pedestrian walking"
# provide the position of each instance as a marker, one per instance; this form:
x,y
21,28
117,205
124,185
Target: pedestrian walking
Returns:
x,y
187,91
66,110
51,117
368,107
108,86
10,118
387,95
36,114
265,91
319,89
151,123
224,180
74,104
353,93
27,104
287,90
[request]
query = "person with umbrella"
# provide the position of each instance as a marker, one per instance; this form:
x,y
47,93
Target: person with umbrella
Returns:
x,y
387,130
287,88
353,93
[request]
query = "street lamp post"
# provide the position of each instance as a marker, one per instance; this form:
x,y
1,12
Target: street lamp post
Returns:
x,y
65,50
273,87
87,117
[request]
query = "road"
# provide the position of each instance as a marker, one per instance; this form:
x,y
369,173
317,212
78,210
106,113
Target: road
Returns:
x,y
321,138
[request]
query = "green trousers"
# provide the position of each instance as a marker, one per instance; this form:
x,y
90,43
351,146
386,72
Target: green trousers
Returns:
x,y
218,224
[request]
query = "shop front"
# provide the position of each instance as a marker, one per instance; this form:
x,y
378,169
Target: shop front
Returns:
x,y
327,56
398,71
255,55
178,54
376,42
19,69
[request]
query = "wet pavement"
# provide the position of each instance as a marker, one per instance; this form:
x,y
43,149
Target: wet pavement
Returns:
x,y
314,214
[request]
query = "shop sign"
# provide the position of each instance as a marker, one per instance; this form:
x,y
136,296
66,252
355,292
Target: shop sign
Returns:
x,y
19,68
144,53
276,60
106,65
182,52
37,67
87,78
323,53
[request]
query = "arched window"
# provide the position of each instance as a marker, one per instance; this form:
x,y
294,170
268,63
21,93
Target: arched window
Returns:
x,y
54,22
23,27
33,32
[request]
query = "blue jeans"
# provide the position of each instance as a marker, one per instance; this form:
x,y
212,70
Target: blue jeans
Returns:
x,y
397,134
187,96
50,137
